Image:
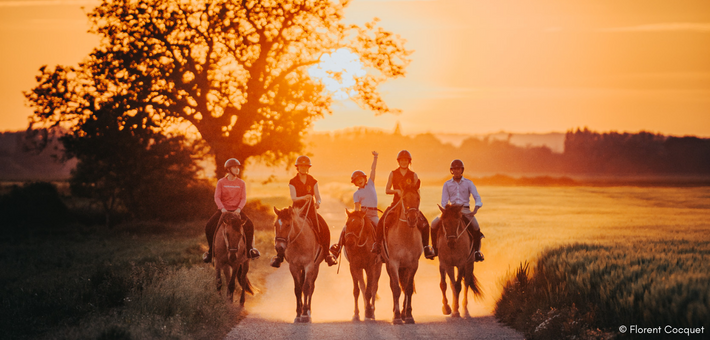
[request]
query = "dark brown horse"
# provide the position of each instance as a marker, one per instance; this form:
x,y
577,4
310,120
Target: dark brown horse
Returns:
x,y
403,247
365,267
230,256
456,251
296,240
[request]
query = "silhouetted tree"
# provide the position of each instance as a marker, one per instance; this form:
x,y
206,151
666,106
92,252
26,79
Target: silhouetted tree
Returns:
x,y
235,70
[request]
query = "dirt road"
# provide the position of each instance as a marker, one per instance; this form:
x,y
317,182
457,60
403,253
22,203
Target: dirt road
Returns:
x,y
271,313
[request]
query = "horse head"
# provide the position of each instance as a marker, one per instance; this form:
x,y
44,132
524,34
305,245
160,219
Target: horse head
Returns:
x,y
451,223
282,227
232,233
410,203
355,228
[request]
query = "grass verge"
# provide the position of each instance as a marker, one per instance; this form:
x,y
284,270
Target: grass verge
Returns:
x,y
585,291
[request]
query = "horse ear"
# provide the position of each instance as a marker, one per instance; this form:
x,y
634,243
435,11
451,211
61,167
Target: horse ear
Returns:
x,y
276,211
440,208
347,212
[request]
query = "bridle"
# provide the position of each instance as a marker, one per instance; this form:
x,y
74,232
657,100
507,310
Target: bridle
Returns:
x,y
406,211
220,226
358,236
458,227
289,239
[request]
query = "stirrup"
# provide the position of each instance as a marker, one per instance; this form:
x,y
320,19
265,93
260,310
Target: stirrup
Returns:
x,y
478,256
429,253
253,254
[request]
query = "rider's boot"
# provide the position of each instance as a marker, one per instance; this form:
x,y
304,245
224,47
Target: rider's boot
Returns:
x,y
331,260
252,252
477,255
429,252
276,261
207,256
335,248
434,246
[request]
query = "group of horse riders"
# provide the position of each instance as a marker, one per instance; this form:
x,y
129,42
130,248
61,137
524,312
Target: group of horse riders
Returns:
x,y
230,197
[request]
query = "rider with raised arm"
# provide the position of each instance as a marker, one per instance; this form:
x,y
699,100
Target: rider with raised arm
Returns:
x,y
230,197
397,180
365,199
304,190
457,191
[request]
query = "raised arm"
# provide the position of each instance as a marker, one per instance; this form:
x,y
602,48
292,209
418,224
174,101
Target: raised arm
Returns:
x,y
374,166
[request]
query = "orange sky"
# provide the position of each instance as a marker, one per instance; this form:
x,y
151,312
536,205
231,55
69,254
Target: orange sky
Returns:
x,y
479,65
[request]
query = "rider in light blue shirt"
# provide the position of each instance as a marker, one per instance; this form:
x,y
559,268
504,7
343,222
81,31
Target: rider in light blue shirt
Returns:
x,y
458,191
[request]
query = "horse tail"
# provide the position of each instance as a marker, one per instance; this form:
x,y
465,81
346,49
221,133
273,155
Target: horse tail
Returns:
x,y
247,284
472,282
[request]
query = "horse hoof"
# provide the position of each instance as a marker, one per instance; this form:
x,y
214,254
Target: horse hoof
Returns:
x,y
409,320
356,317
397,321
297,319
455,315
372,319
446,310
305,319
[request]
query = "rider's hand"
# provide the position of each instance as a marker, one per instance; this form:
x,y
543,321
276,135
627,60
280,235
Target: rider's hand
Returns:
x,y
399,192
238,211
317,205
224,210
375,153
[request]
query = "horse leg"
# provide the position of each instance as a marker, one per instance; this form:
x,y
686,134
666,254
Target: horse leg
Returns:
x,y
408,292
442,285
355,274
243,270
309,286
231,285
218,277
373,278
297,290
396,292
455,289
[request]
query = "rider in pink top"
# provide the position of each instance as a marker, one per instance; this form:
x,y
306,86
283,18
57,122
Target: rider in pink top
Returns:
x,y
230,197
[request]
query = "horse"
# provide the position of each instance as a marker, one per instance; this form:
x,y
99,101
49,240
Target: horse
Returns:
x,y
402,249
456,251
297,241
230,256
358,239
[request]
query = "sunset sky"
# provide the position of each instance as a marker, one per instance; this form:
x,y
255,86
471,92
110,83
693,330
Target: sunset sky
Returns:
x,y
478,66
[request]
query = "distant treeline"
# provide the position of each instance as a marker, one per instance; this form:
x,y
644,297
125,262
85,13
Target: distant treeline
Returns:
x,y
586,153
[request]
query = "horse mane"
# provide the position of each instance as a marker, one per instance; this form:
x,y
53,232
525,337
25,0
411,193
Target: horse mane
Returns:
x,y
451,212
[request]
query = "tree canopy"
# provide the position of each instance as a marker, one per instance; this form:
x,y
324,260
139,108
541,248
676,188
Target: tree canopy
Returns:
x,y
235,70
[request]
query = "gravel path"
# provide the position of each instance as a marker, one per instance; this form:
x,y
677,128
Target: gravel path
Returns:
x,y
271,313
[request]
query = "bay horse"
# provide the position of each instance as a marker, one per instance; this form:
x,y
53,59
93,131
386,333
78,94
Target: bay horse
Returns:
x,y
297,241
456,251
230,256
365,267
402,250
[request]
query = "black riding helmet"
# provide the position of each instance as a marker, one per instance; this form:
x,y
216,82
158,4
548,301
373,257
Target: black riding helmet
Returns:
x,y
456,163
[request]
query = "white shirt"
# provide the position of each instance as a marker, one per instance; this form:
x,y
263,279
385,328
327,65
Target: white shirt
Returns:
x,y
458,193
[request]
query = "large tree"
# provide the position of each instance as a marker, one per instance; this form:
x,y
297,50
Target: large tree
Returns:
x,y
235,70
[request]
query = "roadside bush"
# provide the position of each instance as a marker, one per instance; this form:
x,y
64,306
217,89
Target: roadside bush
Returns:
x,y
33,205
575,290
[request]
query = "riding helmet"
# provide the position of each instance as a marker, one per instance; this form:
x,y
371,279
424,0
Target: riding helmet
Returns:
x,y
404,154
356,174
303,160
231,162
456,163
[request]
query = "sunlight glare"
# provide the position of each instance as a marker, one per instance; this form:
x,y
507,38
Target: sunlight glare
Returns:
x,y
338,71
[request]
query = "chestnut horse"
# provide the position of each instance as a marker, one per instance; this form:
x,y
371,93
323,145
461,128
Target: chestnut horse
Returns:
x,y
230,256
402,250
297,241
358,239
456,251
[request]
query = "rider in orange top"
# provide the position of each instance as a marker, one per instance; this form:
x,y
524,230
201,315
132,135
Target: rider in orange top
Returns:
x,y
397,179
304,190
